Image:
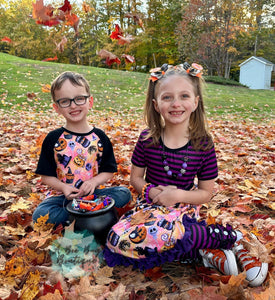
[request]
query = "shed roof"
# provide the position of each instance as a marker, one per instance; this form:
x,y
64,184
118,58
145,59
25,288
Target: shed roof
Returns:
x,y
261,59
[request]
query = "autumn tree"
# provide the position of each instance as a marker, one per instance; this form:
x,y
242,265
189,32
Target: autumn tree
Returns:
x,y
217,32
207,33
158,43
28,39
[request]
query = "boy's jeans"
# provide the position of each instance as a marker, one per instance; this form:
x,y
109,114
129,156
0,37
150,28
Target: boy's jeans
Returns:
x,y
56,205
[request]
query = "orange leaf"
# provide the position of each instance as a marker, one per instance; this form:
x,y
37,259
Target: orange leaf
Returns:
x,y
234,286
140,217
46,88
154,273
210,220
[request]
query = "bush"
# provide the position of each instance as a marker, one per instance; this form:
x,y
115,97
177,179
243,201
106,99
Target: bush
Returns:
x,y
221,80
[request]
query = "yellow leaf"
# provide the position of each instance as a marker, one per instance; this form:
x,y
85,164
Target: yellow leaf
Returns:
x,y
37,256
20,204
214,212
234,286
31,286
118,123
7,195
42,225
19,230
46,88
249,184
15,267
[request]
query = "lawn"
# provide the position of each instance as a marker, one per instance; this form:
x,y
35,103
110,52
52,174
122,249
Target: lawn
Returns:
x,y
119,90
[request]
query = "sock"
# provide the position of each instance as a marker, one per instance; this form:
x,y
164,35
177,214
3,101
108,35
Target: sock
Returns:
x,y
214,236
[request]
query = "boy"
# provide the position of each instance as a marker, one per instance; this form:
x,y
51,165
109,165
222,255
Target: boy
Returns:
x,y
76,158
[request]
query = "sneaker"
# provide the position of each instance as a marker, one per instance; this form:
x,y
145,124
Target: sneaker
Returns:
x,y
256,271
222,260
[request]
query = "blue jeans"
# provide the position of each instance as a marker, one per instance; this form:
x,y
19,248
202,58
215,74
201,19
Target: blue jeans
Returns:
x,y
56,206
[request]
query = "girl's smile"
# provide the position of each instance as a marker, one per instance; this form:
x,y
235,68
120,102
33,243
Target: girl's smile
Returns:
x,y
175,99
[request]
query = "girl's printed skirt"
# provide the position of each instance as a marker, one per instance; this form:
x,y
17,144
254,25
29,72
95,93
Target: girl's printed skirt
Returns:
x,y
150,235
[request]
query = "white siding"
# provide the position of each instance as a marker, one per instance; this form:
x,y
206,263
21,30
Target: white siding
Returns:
x,y
255,73
267,77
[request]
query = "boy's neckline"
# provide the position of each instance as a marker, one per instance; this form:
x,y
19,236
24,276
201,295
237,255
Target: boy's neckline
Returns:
x,y
78,132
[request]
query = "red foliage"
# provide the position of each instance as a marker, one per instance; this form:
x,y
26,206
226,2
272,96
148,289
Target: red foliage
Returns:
x,y
128,58
117,33
110,58
50,58
6,39
66,6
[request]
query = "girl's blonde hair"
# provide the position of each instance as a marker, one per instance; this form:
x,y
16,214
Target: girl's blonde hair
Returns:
x,y
198,126
76,79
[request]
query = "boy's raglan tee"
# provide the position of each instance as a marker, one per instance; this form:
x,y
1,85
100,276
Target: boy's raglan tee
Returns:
x,y
74,158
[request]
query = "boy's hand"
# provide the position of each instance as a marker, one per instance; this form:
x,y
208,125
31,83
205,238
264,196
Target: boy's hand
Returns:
x,y
70,192
87,188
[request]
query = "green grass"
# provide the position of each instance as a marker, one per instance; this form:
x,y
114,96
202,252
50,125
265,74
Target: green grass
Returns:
x,y
119,90
110,88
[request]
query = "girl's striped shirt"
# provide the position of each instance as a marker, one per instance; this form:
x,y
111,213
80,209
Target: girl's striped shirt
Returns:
x,y
201,164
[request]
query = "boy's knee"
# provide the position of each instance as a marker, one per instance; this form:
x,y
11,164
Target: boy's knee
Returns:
x,y
124,196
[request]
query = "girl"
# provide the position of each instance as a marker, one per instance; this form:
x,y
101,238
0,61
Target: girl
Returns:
x,y
175,150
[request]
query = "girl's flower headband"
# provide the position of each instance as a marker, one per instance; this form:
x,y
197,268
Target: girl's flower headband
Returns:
x,y
193,70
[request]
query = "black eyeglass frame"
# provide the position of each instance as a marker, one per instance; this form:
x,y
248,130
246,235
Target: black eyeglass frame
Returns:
x,y
72,100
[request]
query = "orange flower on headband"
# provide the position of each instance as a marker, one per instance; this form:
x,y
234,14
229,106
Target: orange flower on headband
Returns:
x,y
194,69
157,73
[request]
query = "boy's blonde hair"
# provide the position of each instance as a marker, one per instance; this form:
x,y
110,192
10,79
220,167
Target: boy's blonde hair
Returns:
x,y
198,127
75,78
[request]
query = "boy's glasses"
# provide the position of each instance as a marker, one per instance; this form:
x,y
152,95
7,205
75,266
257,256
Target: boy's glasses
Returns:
x,y
66,102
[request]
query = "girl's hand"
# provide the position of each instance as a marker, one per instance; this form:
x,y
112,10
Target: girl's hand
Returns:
x,y
165,196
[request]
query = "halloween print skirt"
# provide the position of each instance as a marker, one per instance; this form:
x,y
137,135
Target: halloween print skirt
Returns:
x,y
150,235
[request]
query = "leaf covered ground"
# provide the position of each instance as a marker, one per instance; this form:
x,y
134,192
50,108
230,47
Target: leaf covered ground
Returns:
x,y
244,197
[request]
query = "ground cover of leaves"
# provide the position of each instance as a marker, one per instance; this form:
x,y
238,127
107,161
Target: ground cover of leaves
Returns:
x,y
244,197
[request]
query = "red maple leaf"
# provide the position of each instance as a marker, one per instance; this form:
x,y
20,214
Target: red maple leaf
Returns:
x,y
109,61
71,19
109,56
66,6
117,33
50,22
128,58
6,39
51,289
50,58
44,14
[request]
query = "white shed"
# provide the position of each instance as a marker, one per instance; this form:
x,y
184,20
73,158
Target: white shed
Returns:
x,y
255,72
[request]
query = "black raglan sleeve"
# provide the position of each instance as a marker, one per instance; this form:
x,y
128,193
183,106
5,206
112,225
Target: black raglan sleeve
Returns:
x,y
46,163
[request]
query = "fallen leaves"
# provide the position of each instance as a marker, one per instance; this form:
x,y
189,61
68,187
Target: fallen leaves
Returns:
x,y
244,197
234,289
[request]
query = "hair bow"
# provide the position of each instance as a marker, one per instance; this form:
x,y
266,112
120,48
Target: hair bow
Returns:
x,y
157,73
193,70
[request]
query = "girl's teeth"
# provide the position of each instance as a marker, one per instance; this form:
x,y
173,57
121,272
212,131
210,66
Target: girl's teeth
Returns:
x,y
176,113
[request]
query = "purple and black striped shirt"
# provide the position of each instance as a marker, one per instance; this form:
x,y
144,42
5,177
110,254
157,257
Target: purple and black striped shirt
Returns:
x,y
202,164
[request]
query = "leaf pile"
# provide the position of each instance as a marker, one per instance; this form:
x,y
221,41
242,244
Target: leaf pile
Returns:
x,y
244,197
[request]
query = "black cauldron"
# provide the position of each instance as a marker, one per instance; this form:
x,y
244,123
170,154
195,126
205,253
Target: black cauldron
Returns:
x,y
98,222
